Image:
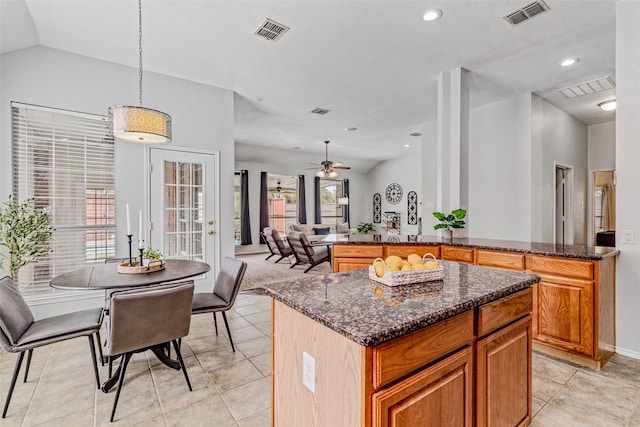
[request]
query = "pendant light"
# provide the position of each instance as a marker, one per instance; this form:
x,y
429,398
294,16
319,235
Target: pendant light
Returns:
x,y
137,123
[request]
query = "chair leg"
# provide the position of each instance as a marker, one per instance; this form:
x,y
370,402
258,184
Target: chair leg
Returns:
x,y
16,371
269,257
26,368
224,316
100,348
93,359
215,322
123,366
184,368
295,263
110,366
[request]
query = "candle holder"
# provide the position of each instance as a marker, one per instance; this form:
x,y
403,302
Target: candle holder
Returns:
x,y
141,252
129,236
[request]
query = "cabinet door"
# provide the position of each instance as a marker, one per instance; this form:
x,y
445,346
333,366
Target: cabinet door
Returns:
x,y
340,265
458,254
564,316
440,395
404,251
503,381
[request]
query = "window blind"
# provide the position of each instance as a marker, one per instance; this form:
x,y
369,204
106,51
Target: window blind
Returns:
x,y
65,161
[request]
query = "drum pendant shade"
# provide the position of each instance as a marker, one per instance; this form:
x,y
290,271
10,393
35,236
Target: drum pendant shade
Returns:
x,y
139,124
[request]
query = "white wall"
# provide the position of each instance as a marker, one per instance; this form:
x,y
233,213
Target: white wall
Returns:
x,y
500,170
284,162
602,146
202,117
628,175
556,137
428,179
404,171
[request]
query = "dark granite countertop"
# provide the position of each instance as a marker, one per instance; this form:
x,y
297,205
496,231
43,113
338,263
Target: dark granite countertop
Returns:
x,y
548,249
370,313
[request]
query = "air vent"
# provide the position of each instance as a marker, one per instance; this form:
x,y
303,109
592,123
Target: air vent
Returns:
x,y
319,110
586,88
271,30
415,134
527,12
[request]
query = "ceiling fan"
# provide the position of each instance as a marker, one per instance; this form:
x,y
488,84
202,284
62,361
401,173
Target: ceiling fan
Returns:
x,y
327,166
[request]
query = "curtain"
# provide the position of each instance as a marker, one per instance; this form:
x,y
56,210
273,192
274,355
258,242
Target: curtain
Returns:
x,y
302,201
264,204
318,206
345,208
245,227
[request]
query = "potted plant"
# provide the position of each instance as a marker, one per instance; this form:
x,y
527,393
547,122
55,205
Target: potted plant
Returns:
x,y
366,227
25,233
151,254
450,221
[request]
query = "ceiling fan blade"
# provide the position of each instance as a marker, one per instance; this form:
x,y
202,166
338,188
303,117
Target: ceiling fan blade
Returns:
x,y
341,167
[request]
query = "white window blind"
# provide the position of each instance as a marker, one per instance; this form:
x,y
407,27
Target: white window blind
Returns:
x,y
65,161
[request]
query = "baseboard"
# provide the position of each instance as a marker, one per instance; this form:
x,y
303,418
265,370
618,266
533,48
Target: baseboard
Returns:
x,y
628,353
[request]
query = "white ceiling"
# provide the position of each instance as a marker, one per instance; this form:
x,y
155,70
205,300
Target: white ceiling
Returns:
x,y
374,63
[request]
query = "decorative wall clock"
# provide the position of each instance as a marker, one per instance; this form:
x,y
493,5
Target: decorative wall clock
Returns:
x,y
377,208
394,193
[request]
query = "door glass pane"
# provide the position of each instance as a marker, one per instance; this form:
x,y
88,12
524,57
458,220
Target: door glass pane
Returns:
x,y
184,211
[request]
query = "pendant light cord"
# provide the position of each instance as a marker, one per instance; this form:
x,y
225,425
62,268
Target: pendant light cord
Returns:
x,y
140,52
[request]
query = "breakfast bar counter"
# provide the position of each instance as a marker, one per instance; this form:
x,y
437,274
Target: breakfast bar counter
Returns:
x,y
348,351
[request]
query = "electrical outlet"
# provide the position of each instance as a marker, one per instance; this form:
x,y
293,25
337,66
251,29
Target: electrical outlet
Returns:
x,y
627,237
309,372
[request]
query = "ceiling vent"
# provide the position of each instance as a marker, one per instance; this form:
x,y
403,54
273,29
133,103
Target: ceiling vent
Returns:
x,y
415,134
319,110
271,30
527,12
586,88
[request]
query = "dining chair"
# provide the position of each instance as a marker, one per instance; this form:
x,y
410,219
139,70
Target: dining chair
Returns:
x,y
19,332
224,293
276,242
146,317
305,252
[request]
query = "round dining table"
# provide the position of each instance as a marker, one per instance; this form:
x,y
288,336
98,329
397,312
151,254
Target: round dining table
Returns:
x,y
106,277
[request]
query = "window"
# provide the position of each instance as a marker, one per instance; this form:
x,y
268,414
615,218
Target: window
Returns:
x,y
283,209
330,191
65,161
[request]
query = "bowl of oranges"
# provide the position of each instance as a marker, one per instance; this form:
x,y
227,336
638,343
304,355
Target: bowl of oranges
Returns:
x,y
395,271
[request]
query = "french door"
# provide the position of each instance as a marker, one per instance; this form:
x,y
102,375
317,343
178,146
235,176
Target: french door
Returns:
x,y
182,211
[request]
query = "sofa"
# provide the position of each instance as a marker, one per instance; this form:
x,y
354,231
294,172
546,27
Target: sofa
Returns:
x,y
317,232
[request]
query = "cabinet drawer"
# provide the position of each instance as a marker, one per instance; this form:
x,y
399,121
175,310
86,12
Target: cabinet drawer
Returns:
x,y
397,358
357,251
580,269
405,251
458,254
498,313
499,259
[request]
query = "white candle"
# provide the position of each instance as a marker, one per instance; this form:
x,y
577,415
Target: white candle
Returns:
x,y
140,240
128,221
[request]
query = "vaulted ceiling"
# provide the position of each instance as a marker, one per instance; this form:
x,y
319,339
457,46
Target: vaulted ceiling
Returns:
x,y
373,64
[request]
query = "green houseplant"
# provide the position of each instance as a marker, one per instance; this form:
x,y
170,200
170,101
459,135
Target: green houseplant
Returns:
x,y
25,233
454,220
366,227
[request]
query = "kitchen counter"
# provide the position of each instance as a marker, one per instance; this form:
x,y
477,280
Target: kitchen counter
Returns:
x,y
545,249
370,313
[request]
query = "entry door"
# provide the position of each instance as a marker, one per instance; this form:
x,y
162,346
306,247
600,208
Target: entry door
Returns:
x,y
563,205
182,212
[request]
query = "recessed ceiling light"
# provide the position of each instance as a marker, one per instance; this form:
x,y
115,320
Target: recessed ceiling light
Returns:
x,y
608,105
569,61
407,145
432,15
350,129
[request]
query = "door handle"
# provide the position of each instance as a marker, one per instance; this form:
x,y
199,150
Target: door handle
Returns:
x,y
211,232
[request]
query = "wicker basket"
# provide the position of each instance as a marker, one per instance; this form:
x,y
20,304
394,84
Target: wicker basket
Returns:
x,y
397,278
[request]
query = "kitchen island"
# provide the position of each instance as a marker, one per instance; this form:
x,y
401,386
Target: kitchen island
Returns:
x,y
573,305
450,352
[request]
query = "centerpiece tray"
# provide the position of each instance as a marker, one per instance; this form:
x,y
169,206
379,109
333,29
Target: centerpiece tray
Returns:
x,y
136,268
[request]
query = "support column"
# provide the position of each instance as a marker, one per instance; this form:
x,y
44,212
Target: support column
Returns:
x,y
453,140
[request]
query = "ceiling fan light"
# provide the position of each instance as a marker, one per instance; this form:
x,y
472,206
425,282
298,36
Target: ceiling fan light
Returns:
x,y
333,174
139,124
320,174
608,105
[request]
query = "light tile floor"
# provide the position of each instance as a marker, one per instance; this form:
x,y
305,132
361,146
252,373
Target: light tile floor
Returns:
x,y
234,389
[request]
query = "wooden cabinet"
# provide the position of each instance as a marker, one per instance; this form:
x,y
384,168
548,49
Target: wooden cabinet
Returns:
x,y
440,395
354,257
503,376
499,259
405,251
458,254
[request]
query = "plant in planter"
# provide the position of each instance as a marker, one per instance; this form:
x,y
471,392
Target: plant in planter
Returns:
x,y
450,221
151,254
366,227
25,233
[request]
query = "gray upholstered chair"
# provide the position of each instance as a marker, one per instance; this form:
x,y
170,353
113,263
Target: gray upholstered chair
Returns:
x,y
304,252
224,293
272,248
277,244
147,317
19,331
